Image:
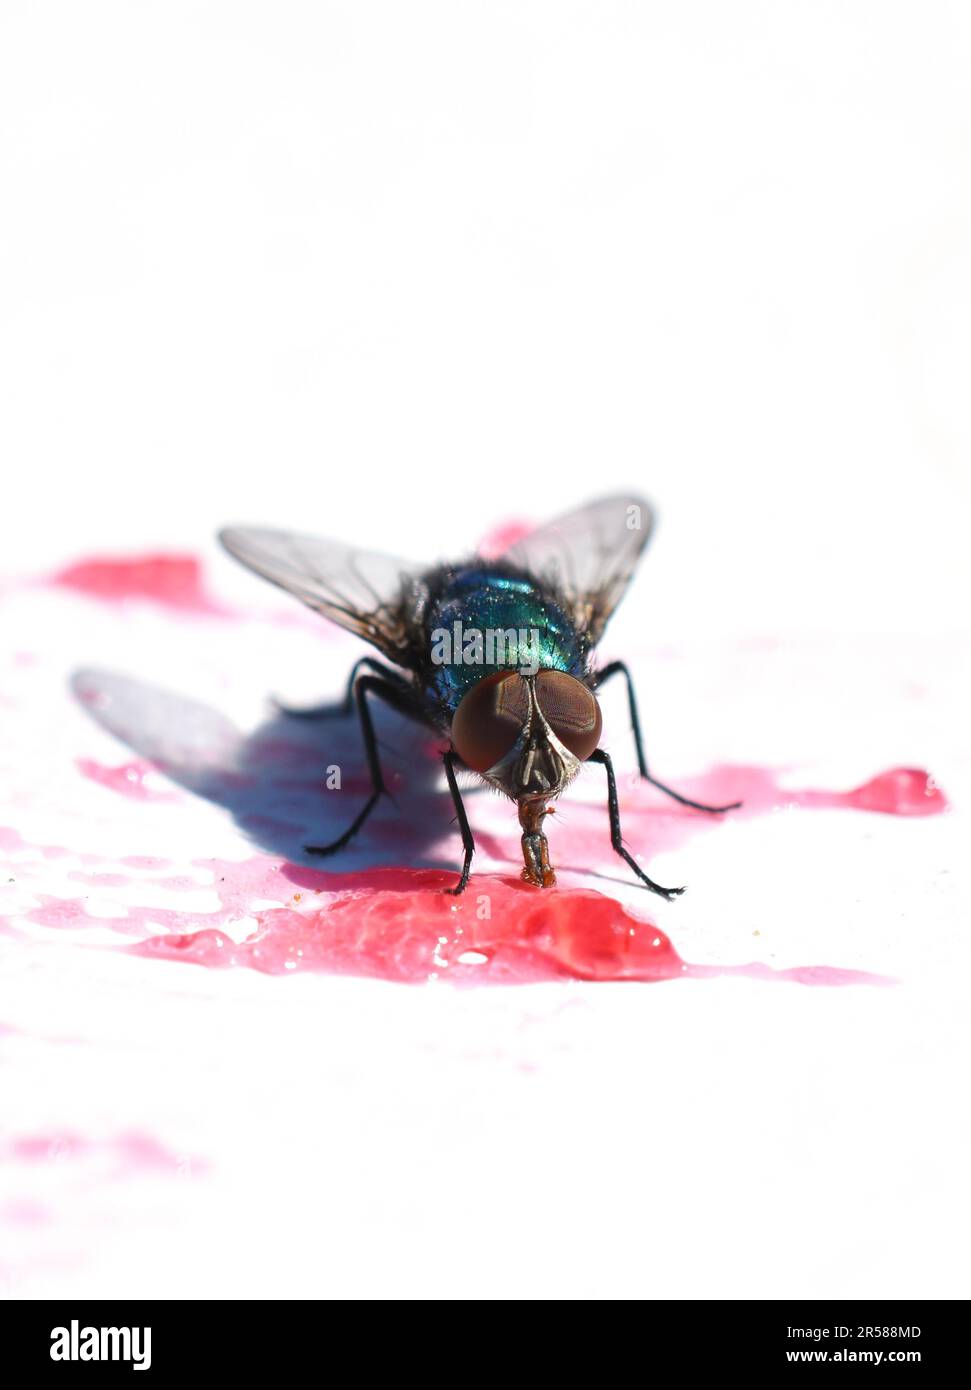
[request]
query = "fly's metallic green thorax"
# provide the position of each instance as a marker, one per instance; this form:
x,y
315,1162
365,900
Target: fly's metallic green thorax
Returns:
x,y
529,630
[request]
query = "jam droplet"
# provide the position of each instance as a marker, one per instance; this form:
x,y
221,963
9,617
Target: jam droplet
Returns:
x,y
902,791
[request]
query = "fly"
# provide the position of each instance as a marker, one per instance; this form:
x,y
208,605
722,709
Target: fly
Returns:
x,y
497,655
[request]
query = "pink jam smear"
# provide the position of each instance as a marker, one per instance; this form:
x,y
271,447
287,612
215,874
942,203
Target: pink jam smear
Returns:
x,y
500,538
900,791
399,924
127,1152
174,581
903,791
128,779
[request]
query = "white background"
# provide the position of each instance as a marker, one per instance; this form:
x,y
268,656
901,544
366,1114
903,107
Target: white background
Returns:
x,y
400,272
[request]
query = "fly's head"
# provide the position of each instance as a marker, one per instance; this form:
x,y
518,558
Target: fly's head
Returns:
x,y
528,735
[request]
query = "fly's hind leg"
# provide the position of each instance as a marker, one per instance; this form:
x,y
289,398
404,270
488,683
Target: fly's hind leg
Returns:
x,y
618,668
392,694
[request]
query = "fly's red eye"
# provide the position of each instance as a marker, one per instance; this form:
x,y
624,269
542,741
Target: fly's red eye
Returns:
x,y
571,710
488,721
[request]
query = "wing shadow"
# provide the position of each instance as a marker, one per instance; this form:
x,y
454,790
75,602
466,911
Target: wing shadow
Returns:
x,y
273,780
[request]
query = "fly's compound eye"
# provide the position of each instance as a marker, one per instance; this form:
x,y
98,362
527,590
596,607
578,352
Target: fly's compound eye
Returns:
x,y
492,714
571,710
489,719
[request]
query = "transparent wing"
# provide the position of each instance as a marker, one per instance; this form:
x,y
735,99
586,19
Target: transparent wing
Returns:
x,y
363,591
589,555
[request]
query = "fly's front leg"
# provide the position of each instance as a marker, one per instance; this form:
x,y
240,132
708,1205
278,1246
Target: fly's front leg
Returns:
x,y
617,668
468,843
392,695
616,837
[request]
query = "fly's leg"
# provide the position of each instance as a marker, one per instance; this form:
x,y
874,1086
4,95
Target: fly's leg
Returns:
x,y
393,696
468,843
536,851
618,668
340,709
616,837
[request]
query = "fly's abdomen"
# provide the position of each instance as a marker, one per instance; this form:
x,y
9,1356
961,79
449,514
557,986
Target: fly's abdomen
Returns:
x,y
485,620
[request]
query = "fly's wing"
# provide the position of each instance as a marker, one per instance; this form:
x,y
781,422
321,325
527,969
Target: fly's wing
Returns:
x,y
363,591
588,556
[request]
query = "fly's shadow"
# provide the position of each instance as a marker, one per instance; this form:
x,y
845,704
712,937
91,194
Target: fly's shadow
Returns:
x,y
291,781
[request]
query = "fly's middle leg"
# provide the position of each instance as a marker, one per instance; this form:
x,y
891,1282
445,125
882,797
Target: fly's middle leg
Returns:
x,y
391,694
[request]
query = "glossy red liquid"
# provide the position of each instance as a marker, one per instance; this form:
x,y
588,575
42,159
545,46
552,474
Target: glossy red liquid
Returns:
x,y
399,924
